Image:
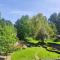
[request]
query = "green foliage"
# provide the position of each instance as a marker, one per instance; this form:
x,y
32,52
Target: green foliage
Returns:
x,y
23,27
41,28
37,27
7,36
55,20
34,53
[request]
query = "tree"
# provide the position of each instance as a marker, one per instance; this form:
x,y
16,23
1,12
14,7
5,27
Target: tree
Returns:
x,y
41,28
55,20
7,36
33,27
23,27
58,23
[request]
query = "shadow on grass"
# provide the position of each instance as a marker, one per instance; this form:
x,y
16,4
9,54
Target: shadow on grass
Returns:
x,y
44,46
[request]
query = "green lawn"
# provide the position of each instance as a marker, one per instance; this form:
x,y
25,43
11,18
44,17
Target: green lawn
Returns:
x,y
56,42
29,39
52,41
33,53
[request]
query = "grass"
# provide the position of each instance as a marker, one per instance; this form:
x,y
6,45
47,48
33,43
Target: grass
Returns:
x,y
51,41
56,42
29,39
33,53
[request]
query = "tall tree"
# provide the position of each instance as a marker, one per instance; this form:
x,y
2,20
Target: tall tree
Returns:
x,y
33,27
41,27
23,27
55,20
7,36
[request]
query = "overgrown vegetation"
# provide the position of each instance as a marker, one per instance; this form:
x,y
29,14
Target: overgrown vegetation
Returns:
x,y
36,27
7,37
36,31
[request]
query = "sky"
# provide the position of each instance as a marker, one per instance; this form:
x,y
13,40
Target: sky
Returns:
x,y
14,9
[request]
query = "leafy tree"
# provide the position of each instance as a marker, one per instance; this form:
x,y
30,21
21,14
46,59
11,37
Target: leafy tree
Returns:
x,y
33,27
58,23
41,28
55,20
23,27
7,36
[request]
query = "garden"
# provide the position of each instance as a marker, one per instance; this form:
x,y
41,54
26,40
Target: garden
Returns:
x,y
30,38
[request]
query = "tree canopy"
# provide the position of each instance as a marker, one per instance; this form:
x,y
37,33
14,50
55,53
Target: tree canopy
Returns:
x,y
7,36
36,26
55,19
